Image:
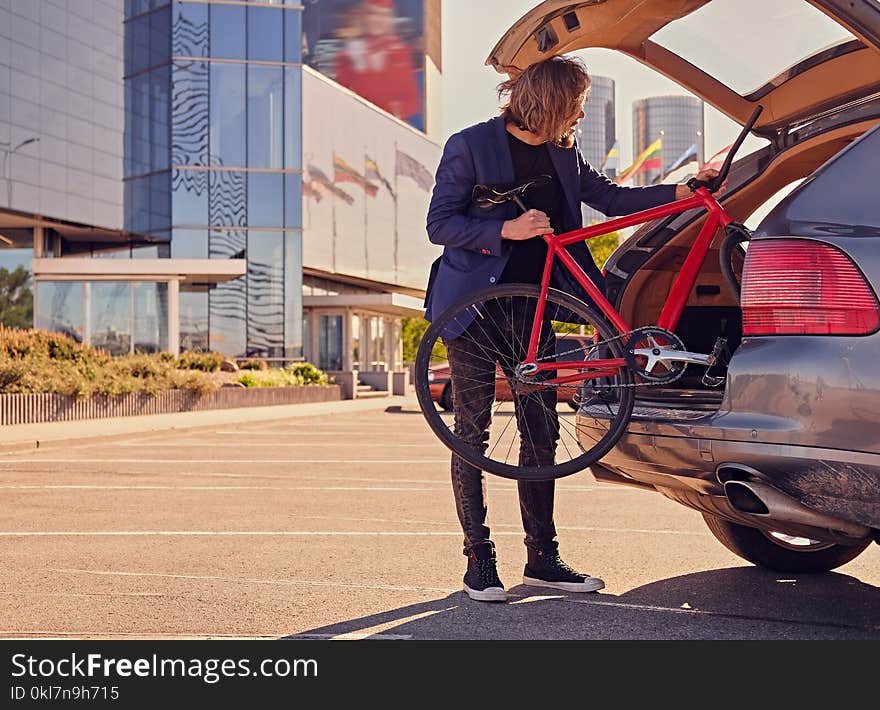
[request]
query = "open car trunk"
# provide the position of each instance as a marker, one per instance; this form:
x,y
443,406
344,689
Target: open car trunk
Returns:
x,y
640,273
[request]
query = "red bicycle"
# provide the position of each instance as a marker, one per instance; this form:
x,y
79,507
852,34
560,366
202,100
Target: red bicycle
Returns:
x,y
515,326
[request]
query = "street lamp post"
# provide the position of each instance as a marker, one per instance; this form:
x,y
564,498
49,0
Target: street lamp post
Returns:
x,y
8,151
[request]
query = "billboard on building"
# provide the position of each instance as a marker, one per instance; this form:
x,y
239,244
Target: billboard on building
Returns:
x,y
376,48
365,191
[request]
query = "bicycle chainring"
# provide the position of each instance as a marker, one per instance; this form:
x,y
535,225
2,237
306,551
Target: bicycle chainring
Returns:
x,y
643,349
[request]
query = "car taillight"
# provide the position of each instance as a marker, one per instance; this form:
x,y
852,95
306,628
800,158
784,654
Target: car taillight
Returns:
x,y
800,287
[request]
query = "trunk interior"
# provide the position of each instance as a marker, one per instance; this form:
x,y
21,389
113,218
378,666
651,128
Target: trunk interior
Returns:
x,y
640,274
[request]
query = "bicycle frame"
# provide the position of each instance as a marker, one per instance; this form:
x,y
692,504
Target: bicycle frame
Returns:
x,y
675,301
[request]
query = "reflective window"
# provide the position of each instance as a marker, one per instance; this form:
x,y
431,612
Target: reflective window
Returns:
x,y
160,114
265,294
189,198
189,244
293,200
110,316
293,35
189,114
752,53
265,116
190,29
228,125
194,321
152,251
228,198
228,31
60,308
293,289
265,205
265,30
228,317
150,317
330,342
228,244
293,118
16,283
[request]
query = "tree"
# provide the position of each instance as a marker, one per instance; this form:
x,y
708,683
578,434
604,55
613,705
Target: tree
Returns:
x,y
16,298
412,331
602,247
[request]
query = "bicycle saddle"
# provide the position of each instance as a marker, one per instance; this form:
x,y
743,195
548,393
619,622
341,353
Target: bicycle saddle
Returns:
x,y
488,196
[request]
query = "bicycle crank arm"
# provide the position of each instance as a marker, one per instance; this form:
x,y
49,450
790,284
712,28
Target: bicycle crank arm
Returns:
x,y
665,356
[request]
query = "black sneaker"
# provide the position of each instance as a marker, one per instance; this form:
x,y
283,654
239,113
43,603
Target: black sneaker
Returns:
x,y
546,569
481,581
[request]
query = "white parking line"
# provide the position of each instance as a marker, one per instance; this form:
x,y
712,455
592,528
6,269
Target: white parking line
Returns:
x,y
320,533
250,580
407,462
224,488
236,533
214,444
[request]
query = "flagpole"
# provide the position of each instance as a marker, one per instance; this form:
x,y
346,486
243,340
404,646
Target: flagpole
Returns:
x,y
396,192
366,224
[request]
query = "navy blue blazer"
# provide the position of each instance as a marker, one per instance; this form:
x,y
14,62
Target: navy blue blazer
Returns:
x,y
474,255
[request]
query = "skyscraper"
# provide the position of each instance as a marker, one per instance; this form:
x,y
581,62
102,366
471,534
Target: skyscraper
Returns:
x,y
677,120
596,131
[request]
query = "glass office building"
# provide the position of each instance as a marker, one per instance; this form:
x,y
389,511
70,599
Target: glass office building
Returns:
x,y
678,120
214,161
153,155
596,131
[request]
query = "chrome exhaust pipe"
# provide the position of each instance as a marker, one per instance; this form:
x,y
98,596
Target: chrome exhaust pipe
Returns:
x,y
762,501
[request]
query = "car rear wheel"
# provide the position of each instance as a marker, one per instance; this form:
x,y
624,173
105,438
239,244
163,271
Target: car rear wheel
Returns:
x,y
782,553
446,398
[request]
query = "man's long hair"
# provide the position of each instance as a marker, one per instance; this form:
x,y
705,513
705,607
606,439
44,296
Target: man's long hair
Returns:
x,y
546,98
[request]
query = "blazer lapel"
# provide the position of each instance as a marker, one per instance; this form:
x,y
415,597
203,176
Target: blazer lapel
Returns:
x,y
502,151
566,170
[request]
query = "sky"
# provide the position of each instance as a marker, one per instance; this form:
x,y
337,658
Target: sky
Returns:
x,y
471,28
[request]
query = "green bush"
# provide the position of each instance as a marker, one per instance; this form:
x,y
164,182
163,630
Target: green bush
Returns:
x,y
310,374
205,362
303,373
36,361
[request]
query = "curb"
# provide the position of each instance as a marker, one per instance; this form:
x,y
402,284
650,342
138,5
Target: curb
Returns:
x,y
184,421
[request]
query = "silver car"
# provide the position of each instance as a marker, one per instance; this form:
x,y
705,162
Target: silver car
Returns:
x,y
779,447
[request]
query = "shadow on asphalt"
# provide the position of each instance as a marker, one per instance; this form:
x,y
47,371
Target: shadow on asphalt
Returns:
x,y
741,603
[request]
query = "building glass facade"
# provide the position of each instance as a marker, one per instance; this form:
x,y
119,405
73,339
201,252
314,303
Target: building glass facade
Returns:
x,y
677,119
174,176
214,138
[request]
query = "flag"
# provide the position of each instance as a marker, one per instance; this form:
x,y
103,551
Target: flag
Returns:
x,y
717,160
343,172
371,172
408,166
648,159
612,160
690,155
319,182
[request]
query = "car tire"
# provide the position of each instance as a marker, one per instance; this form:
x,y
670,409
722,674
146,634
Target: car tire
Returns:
x,y
762,549
446,398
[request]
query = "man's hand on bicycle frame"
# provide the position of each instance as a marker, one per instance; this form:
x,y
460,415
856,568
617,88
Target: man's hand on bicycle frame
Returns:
x,y
533,223
683,190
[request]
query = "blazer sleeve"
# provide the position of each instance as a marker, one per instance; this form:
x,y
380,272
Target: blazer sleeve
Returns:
x,y
612,200
448,222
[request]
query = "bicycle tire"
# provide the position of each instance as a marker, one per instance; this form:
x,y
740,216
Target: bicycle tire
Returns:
x,y
616,394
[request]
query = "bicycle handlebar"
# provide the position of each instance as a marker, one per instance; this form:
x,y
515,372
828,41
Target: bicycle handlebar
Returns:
x,y
715,184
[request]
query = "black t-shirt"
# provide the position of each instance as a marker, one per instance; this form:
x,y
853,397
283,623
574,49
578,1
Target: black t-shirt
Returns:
x,y
526,263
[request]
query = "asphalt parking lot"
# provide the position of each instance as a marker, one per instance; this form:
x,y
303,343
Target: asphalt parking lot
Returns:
x,y
343,526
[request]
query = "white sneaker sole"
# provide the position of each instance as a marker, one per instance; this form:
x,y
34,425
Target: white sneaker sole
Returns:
x,y
590,584
490,594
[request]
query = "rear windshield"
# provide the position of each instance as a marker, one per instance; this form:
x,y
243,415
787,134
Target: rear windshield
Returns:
x,y
745,44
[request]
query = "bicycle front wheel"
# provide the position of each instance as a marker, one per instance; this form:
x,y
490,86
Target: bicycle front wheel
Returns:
x,y
517,424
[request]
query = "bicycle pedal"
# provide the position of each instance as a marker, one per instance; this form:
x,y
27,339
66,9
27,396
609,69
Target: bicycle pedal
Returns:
x,y
711,381
719,348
